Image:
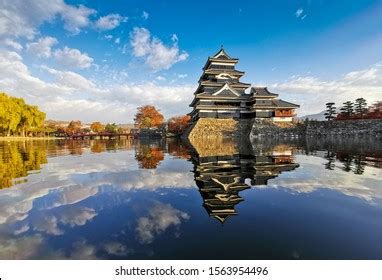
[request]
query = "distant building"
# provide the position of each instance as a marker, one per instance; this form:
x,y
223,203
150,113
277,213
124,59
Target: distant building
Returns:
x,y
222,95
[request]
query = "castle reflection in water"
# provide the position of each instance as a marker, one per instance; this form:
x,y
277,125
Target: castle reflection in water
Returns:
x,y
223,169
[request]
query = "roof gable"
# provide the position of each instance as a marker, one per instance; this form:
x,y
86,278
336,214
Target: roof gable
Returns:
x,y
226,90
225,76
222,54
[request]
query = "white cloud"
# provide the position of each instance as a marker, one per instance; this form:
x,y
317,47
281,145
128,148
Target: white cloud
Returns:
x,y
109,22
43,47
145,15
182,76
160,218
312,93
141,41
299,12
15,78
72,96
108,37
21,18
70,79
77,216
20,248
83,251
21,230
76,18
115,248
157,55
117,41
66,57
12,44
47,224
73,58
161,78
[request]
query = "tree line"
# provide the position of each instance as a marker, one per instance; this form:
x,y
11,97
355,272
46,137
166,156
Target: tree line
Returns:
x,y
146,117
353,110
18,118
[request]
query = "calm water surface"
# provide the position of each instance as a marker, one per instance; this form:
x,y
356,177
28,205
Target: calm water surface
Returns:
x,y
121,199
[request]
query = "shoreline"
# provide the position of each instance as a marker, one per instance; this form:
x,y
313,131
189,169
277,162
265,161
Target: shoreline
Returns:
x,y
6,138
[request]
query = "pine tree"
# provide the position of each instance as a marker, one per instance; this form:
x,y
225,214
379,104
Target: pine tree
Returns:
x,y
360,106
347,110
330,111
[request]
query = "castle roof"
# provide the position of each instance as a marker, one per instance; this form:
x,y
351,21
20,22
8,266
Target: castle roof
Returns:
x,y
262,91
221,54
222,57
228,71
284,104
275,103
219,84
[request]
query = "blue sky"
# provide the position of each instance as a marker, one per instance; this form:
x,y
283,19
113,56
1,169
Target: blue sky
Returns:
x,y
99,60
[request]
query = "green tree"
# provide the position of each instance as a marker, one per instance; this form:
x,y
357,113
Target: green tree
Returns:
x,y
111,128
347,110
360,106
330,111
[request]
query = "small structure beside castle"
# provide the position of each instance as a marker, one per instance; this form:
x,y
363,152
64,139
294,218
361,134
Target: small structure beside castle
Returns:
x,y
221,95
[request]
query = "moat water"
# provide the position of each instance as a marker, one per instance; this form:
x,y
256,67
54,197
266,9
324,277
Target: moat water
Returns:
x,y
122,199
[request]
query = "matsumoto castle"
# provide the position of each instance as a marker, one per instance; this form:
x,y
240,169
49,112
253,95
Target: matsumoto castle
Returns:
x,y
221,95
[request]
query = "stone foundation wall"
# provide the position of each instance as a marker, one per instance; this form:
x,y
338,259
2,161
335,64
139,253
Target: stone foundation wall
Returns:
x,y
350,128
269,129
225,128
230,128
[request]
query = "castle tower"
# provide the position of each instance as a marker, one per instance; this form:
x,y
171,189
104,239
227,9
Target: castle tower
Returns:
x,y
221,107
220,93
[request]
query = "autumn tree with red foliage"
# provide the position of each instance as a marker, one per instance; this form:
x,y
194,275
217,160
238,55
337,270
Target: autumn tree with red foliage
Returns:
x,y
178,124
148,116
375,111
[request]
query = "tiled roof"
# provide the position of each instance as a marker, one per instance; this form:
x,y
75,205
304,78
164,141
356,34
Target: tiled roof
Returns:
x,y
262,91
221,54
284,104
275,103
219,71
219,84
243,97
